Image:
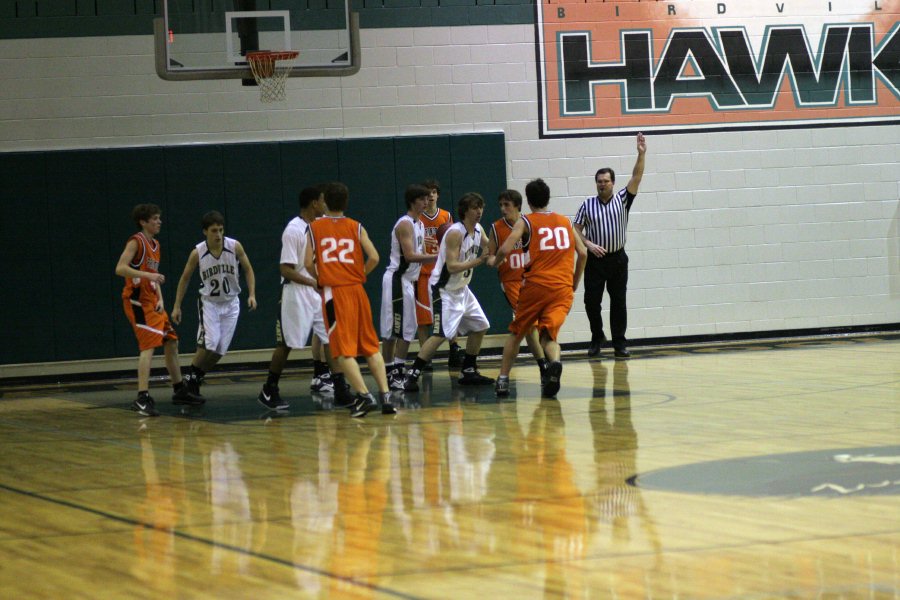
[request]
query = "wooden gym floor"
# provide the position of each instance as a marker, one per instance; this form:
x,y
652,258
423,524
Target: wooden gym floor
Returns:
x,y
758,470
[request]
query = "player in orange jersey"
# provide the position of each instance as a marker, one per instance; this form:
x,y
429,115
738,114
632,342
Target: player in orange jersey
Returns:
x,y
550,245
432,219
512,269
143,303
339,256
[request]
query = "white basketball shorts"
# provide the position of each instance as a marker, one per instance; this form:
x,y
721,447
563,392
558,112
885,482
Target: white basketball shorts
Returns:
x,y
218,320
301,316
458,313
398,307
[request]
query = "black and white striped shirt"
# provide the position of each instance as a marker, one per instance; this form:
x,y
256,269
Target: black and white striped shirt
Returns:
x,y
605,224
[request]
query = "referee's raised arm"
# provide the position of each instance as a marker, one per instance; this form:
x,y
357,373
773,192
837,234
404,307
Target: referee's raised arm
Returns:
x,y
638,171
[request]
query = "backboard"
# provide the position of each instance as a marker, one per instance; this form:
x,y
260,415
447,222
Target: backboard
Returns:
x,y
209,39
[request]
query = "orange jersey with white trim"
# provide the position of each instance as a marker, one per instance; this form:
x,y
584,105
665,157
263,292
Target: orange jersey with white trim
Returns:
x,y
549,249
339,255
513,267
432,246
146,259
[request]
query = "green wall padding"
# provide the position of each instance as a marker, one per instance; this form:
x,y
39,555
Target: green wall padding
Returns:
x,y
79,255
27,278
367,168
67,218
306,164
85,18
253,215
422,158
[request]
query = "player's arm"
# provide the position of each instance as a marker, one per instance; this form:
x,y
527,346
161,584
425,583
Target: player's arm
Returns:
x,y
369,250
405,237
189,267
580,262
309,261
493,246
289,271
454,265
595,249
492,242
637,173
503,251
291,258
124,268
160,303
249,275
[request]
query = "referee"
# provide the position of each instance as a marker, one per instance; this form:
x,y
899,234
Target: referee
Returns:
x,y
601,222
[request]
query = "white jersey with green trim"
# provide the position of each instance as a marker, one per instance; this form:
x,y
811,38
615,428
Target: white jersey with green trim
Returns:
x,y
469,248
219,275
398,263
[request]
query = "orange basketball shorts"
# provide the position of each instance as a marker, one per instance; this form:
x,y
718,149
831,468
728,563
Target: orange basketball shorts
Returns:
x,y
151,328
545,308
424,315
348,320
511,290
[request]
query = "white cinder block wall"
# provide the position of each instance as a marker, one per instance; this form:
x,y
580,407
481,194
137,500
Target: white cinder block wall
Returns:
x,y
732,232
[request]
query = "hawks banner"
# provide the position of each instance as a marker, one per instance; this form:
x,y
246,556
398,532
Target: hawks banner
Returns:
x,y
617,67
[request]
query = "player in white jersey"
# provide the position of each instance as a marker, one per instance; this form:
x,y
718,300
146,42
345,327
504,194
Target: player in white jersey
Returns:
x,y
303,312
398,286
456,310
301,304
219,260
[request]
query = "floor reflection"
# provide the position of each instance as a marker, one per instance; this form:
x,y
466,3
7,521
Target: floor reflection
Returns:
x,y
474,480
551,507
462,496
617,507
158,515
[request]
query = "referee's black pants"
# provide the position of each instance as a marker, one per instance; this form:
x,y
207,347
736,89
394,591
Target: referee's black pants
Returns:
x,y
609,272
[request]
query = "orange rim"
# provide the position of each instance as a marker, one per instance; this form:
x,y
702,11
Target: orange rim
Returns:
x,y
272,55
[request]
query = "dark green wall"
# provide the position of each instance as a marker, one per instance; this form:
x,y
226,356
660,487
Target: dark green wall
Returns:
x,y
66,218
83,18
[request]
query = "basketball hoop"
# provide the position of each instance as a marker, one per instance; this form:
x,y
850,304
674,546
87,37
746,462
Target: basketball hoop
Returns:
x,y
270,69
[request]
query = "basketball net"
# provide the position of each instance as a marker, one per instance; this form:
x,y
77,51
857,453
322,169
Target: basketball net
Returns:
x,y
270,70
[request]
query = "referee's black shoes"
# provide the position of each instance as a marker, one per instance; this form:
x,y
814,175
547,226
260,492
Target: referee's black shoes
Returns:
x,y
621,352
594,349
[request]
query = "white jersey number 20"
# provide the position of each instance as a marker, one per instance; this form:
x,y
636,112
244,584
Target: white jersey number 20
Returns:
x,y
553,239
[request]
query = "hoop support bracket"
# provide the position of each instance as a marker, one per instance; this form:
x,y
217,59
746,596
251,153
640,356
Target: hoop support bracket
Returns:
x,y
164,72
